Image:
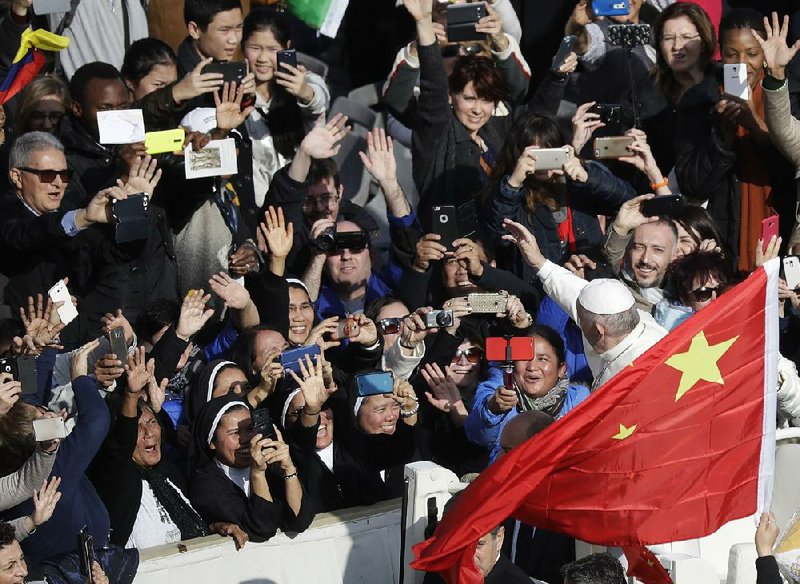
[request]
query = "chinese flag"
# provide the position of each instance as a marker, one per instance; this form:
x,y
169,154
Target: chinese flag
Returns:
x,y
670,449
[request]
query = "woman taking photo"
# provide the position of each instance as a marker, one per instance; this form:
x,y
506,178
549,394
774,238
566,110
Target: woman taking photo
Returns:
x,y
725,158
288,99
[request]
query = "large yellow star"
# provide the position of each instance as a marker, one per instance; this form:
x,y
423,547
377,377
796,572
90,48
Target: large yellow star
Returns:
x,y
699,363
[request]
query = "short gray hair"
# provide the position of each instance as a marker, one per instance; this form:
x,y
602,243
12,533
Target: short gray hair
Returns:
x,y
617,325
27,144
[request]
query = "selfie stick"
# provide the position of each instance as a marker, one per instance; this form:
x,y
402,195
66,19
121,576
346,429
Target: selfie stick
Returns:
x,y
508,376
632,82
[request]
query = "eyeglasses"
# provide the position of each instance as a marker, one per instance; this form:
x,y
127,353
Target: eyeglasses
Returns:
x,y
324,200
704,294
390,326
473,355
684,38
48,175
53,117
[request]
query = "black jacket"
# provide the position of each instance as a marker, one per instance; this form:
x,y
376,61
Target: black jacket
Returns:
x,y
503,572
767,571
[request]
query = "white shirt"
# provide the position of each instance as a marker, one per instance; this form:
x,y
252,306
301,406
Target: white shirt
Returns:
x,y
564,287
153,525
238,476
326,456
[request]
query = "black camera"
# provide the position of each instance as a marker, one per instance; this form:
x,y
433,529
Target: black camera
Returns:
x,y
439,319
332,240
610,113
326,241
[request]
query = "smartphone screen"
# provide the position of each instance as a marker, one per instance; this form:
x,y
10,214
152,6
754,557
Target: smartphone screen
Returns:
x,y
378,383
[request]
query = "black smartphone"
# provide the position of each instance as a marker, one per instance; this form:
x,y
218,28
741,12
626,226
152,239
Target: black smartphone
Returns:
x,y
262,424
287,57
444,222
26,374
8,365
132,219
232,71
610,113
86,551
118,344
461,21
663,206
564,49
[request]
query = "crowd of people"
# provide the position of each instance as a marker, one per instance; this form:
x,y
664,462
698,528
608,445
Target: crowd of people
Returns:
x,y
255,347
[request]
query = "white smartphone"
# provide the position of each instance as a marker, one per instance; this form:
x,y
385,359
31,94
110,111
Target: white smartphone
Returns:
x,y
734,78
59,293
549,158
791,270
46,429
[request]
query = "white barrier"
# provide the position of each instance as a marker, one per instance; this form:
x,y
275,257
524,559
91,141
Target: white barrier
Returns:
x,y
353,545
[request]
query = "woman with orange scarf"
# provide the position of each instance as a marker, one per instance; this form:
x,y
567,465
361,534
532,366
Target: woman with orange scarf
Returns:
x,y
725,158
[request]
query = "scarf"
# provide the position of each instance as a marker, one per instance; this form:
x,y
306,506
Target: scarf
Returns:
x,y
755,187
182,513
551,402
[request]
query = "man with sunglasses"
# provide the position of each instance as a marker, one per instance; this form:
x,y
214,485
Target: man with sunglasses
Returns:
x,y
38,239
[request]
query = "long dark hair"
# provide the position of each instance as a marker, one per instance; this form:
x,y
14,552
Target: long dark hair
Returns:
x,y
534,128
284,120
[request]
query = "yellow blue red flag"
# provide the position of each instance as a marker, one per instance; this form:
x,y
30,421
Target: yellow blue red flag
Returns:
x,y
29,60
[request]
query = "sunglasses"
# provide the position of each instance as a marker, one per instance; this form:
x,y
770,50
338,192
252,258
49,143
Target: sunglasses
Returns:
x,y
704,293
473,355
48,176
390,326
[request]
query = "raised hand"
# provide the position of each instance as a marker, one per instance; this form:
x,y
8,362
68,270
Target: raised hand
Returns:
x,y
108,369
228,103
79,365
526,165
428,250
156,392
194,314
10,392
444,394
295,80
578,263
39,323
323,140
468,255
243,261
777,52
312,385
99,208
232,292
584,124
630,215
525,241
412,328
143,176
766,534
45,501
271,373
111,321
197,83
419,9
771,252
516,313
367,331
379,158
461,308
403,393
492,25
139,370
277,234
573,167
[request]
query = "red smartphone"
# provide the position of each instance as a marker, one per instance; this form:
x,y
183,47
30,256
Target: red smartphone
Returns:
x,y
769,229
513,349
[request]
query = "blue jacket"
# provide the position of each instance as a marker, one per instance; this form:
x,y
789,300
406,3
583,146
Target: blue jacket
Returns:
x,y
484,428
80,504
552,315
328,304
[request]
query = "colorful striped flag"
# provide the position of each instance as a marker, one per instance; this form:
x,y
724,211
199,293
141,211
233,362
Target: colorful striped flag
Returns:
x,y
29,60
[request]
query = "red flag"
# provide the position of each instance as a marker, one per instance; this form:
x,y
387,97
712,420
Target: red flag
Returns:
x,y
644,566
670,449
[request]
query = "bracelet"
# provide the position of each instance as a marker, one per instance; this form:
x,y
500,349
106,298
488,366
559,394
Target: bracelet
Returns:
x,y
409,413
409,347
660,185
310,413
290,476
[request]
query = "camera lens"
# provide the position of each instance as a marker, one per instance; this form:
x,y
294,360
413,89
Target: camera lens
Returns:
x,y
444,319
326,241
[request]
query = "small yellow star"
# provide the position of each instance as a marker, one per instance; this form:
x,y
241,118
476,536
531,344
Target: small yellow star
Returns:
x,y
699,363
624,432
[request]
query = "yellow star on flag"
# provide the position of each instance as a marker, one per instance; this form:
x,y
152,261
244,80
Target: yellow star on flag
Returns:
x,y
699,363
624,432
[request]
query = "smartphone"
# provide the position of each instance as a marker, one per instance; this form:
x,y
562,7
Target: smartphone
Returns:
x,y
610,113
262,424
444,222
232,71
734,78
769,229
610,7
438,319
791,272
549,158
287,57
26,374
663,206
564,49
629,35
45,429
165,141
8,365
290,357
86,551
487,302
461,21
59,293
377,383
509,349
612,147
118,344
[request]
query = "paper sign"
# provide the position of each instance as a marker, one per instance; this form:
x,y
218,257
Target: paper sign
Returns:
x,y
218,158
121,126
